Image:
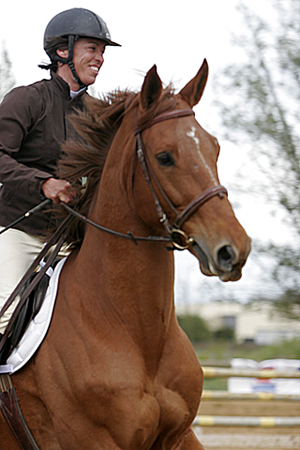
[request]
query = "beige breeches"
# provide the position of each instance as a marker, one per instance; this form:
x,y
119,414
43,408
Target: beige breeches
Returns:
x,y
17,252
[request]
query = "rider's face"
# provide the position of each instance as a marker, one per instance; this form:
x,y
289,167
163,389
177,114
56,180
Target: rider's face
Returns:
x,y
88,59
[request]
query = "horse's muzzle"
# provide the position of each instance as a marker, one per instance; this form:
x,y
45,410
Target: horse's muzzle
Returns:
x,y
226,263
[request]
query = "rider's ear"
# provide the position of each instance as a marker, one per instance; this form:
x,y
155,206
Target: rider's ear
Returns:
x,y
193,91
151,89
62,53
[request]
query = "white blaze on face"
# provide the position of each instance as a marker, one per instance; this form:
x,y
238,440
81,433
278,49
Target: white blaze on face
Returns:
x,y
192,134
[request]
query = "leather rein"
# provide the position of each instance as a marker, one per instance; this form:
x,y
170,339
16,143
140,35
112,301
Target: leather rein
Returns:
x,y
179,239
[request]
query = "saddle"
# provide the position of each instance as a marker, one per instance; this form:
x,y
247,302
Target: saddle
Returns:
x,y
32,288
28,311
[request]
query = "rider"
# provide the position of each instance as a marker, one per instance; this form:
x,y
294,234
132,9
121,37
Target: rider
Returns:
x,y
33,124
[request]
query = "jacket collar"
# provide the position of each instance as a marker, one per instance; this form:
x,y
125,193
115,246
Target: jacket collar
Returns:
x,y
63,86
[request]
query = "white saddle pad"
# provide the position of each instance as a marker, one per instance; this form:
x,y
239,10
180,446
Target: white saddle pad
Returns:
x,y
37,329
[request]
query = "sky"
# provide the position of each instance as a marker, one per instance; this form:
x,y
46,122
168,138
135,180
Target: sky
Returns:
x,y
176,36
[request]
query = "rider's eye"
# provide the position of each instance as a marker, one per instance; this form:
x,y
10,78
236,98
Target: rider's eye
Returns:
x,y
165,159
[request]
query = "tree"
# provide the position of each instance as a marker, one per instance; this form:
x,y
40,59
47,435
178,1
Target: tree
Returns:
x,y
195,327
7,80
224,334
262,94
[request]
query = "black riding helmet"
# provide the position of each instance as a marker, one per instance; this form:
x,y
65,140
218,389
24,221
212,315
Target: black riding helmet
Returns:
x,y
74,23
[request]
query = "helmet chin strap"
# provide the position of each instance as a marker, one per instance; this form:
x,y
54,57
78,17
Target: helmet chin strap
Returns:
x,y
70,63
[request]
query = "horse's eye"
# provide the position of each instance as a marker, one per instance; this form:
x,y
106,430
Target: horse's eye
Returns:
x,y
165,159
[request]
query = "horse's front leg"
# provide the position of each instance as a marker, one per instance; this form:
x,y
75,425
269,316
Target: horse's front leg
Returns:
x,y
189,442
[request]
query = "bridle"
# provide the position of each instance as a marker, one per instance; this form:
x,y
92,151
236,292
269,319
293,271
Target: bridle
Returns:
x,y
180,239
176,235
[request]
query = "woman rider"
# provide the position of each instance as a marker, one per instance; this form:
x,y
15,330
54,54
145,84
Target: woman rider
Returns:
x,y
33,124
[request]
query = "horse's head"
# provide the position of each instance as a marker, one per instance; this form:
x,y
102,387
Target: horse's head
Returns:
x,y
180,159
175,189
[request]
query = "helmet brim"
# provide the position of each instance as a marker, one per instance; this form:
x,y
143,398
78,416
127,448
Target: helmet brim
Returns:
x,y
109,42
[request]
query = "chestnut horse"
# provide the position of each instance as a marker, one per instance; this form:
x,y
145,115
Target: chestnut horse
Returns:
x,y
115,371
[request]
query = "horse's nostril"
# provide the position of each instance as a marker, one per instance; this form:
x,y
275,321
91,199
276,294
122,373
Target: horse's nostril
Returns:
x,y
226,257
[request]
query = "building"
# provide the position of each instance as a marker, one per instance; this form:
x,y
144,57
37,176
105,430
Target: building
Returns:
x,y
256,322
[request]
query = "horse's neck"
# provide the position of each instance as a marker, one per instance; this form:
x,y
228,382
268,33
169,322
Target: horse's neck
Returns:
x,y
122,263
131,285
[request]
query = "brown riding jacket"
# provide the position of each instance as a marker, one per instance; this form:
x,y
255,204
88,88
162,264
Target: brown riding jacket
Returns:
x,y
33,125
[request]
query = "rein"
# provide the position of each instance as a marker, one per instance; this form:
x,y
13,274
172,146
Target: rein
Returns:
x,y
130,236
179,239
175,234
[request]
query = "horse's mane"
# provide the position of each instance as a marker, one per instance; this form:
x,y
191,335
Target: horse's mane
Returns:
x,y
83,159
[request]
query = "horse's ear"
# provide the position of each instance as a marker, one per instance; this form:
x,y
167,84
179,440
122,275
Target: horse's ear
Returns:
x,y
193,91
151,89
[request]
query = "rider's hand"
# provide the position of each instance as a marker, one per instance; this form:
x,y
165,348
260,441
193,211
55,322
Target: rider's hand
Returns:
x,y
58,190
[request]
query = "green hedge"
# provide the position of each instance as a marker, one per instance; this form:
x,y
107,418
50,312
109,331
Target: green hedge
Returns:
x,y
195,327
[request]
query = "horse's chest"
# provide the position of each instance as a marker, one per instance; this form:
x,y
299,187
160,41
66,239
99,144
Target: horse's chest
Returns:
x,y
151,421
141,418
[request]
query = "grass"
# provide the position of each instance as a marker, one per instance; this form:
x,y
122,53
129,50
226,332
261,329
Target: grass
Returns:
x,y
224,351
215,384
220,353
